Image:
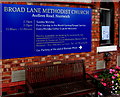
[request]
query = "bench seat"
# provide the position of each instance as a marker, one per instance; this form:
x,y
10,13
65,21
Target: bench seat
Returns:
x,y
65,89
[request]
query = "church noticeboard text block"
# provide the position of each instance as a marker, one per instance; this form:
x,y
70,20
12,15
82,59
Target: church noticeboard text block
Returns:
x,y
30,30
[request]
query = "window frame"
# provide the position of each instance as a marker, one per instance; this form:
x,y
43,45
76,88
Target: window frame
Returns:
x,y
110,41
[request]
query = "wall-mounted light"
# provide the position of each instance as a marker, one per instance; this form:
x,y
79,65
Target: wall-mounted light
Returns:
x,y
107,57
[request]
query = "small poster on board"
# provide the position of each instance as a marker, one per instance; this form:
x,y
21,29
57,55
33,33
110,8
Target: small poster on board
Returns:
x,y
105,32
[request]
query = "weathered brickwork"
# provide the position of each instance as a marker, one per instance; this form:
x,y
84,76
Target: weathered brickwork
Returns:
x,y
15,64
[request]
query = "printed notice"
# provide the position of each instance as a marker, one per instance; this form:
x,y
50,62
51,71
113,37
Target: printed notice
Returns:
x,y
105,32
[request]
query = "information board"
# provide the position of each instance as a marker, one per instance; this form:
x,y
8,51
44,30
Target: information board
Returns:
x,y
30,30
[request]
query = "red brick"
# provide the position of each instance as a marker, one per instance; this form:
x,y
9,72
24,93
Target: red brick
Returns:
x,y
6,77
42,62
7,61
36,60
5,89
6,69
22,3
5,82
21,83
12,92
6,73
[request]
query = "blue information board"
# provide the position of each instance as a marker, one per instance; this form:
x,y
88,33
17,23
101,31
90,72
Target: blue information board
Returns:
x,y
29,30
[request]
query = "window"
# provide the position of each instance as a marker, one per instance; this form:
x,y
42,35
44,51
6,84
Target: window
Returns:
x,y
107,23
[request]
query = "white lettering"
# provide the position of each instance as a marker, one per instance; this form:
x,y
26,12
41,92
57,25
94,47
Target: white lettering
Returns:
x,y
34,10
14,9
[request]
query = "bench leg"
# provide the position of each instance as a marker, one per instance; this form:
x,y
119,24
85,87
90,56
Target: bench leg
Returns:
x,y
96,93
29,95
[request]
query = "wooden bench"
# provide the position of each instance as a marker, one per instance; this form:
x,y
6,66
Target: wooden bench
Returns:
x,y
58,79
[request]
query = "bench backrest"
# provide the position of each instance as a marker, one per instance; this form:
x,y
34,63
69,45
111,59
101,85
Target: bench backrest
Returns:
x,y
55,72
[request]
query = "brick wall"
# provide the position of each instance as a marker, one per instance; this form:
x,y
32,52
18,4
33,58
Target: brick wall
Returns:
x,y
15,64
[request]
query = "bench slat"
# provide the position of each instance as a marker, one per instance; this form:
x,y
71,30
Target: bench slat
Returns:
x,y
65,89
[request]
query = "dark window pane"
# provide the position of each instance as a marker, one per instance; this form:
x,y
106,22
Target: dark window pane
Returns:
x,y
107,24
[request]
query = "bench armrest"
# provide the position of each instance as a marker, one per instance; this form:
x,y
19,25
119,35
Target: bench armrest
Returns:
x,y
29,88
93,78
